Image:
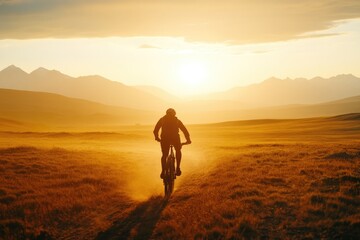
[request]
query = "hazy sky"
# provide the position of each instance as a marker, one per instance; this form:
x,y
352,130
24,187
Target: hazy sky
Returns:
x,y
183,46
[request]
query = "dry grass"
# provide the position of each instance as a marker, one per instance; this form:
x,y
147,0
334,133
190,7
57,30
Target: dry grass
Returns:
x,y
290,179
75,191
64,193
287,191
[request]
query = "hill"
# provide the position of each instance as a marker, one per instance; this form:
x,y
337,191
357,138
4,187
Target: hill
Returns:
x,y
25,110
160,93
92,88
342,106
56,110
7,124
275,92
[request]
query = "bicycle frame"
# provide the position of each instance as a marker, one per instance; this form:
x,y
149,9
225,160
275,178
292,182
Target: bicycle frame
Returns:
x,y
170,176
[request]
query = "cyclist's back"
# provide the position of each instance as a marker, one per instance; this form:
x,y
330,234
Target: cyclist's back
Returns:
x,y
170,127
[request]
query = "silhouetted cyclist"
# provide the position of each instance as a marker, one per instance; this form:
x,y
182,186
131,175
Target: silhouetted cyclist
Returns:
x,y
170,126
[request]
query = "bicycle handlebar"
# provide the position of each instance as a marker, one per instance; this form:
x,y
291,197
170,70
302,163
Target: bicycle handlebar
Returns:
x,y
182,144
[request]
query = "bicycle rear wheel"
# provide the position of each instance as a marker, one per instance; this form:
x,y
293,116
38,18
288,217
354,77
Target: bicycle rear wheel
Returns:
x,y
169,176
172,175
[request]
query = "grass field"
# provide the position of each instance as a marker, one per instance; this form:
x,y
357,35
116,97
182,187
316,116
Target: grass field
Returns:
x,y
262,179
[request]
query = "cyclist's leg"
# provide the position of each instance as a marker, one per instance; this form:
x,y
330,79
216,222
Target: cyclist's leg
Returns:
x,y
177,145
165,147
178,157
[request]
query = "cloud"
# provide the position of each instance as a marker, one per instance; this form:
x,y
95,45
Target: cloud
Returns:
x,y
317,35
260,52
147,46
227,21
8,2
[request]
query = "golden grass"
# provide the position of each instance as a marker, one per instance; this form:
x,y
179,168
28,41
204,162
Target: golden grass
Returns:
x,y
287,179
71,192
64,193
284,191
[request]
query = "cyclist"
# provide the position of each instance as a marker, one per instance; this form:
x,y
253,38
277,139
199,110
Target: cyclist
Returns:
x,y
170,126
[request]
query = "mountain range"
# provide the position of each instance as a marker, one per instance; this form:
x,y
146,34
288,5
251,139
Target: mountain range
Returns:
x,y
93,88
50,97
271,92
276,92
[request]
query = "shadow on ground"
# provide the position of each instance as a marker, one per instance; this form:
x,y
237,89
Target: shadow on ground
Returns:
x,y
139,224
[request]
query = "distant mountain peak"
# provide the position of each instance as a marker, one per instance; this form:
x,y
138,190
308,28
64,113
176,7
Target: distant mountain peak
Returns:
x,y
42,70
347,76
95,77
13,69
272,80
12,66
317,78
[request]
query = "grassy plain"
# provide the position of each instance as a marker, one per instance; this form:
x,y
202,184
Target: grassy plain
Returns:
x,y
261,179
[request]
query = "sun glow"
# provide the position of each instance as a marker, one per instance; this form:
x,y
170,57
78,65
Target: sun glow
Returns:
x,y
192,74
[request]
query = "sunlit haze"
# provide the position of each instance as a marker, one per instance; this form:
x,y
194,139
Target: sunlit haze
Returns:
x,y
192,75
179,119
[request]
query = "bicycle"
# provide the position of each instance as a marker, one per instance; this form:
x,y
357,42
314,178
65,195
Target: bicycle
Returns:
x,y
169,172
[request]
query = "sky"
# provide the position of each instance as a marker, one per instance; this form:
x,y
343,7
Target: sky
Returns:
x,y
185,47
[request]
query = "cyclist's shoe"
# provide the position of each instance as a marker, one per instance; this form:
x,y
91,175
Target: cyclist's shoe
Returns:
x,y
178,172
162,175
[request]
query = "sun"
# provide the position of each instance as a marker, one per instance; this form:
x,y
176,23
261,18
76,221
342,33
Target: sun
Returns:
x,y
192,74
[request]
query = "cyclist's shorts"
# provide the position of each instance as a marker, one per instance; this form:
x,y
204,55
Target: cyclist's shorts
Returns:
x,y
175,141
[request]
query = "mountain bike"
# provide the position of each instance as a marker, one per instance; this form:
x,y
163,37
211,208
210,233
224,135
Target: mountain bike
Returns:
x,y
170,175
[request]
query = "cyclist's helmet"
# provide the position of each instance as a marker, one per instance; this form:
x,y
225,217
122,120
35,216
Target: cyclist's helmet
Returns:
x,y
170,112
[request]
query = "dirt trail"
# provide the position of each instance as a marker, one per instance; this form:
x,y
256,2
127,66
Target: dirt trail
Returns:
x,y
283,191
139,224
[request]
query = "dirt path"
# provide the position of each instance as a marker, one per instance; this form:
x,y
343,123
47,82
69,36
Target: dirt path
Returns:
x,y
139,224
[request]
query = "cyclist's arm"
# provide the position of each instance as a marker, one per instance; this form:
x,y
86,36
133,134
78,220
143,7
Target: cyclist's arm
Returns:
x,y
156,129
185,131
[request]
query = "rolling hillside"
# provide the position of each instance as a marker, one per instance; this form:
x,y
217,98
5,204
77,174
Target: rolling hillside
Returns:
x,y
18,107
160,93
343,106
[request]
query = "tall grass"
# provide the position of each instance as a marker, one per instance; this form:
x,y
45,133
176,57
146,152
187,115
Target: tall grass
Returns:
x,y
276,191
284,179
58,192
